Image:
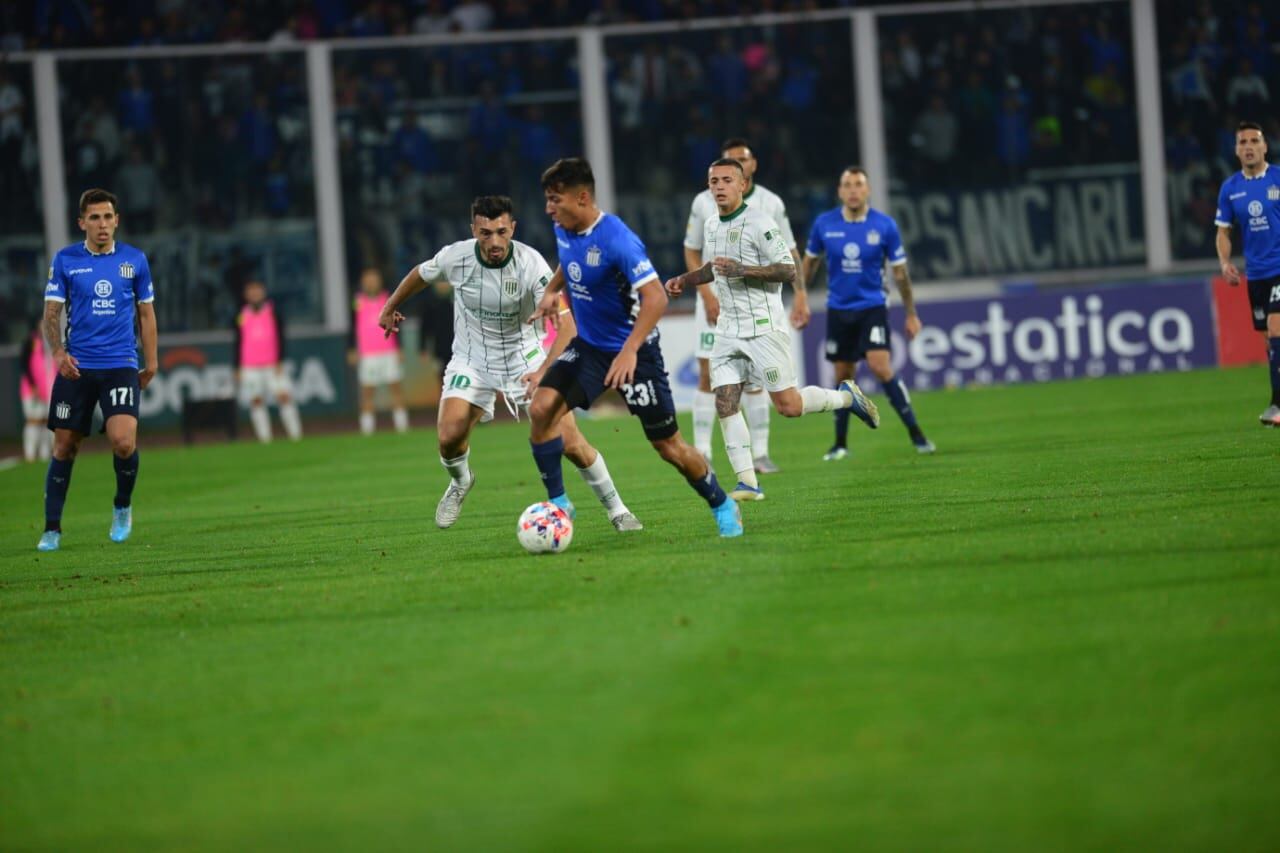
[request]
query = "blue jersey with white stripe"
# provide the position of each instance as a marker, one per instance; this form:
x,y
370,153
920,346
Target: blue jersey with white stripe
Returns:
x,y
1254,205
856,253
101,292
603,268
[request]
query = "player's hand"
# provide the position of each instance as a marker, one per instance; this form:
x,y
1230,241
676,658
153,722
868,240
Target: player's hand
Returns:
x,y
389,321
728,267
548,309
1230,273
711,306
675,285
622,371
145,375
912,326
800,314
532,380
68,366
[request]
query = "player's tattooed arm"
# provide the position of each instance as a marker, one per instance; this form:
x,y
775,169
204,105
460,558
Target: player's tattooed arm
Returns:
x,y
800,303
64,361
800,283
702,275
903,278
729,268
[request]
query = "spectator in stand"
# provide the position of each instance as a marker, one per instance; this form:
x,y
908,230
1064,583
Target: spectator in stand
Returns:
x,y
934,138
137,181
1247,93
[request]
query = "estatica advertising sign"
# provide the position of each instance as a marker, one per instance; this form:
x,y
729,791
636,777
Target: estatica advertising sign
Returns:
x,y
1039,337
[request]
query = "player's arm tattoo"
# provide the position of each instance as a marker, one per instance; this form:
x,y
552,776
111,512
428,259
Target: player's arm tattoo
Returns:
x,y
783,272
701,275
727,399
904,288
799,283
52,325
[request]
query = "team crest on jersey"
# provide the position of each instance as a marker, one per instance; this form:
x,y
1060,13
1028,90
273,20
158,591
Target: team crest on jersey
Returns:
x,y
126,270
593,256
734,235
1273,193
510,286
771,375
575,271
873,237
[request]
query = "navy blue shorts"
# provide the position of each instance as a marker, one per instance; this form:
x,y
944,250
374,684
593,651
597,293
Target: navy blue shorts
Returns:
x,y
71,404
1264,299
578,374
852,334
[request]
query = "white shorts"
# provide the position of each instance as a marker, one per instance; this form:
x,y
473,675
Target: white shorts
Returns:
x,y
380,369
481,389
705,331
33,408
764,360
263,382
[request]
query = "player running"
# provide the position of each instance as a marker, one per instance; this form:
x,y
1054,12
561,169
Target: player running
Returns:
x,y
259,348
376,354
753,344
856,241
498,282
1251,198
33,389
617,301
707,309
104,286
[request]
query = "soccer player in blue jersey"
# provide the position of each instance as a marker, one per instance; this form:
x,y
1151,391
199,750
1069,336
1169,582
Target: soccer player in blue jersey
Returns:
x,y
856,241
617,300
1251,199
104,286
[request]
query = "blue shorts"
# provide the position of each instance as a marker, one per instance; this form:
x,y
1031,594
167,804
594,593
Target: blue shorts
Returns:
x,y
115,390
852,334
578,374
1264,300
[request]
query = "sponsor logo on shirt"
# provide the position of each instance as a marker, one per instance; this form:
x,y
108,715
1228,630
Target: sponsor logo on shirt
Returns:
x,y
575,271
1255,208
1235,196
641,268
593,256
104,305
76,271
50,288
563,244
1257,219
102,288
832,233
851,262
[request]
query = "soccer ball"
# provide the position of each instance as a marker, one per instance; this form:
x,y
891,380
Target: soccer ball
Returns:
x,y
544,528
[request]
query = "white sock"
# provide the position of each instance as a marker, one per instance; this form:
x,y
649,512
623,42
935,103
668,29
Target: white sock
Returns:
x,y
367,422
291,419
737,444
46,444
31,441
458,468
756,407
824,399
704,416
261,422
597,477
400,418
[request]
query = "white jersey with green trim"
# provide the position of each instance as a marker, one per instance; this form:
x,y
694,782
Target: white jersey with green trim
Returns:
x,y
492,304
748,306
761,198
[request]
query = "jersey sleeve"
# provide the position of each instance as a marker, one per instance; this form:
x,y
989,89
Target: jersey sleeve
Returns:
x,y
632,258
1224,216
539,274
144,289
784,222
773,243
432,270
894,252
56,289
693,231
814,247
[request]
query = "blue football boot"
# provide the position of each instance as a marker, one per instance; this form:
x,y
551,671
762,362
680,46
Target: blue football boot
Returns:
x,y
728,518
121,523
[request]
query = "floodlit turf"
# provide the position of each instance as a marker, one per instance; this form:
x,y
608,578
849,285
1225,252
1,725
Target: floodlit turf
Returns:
x,y
1061,632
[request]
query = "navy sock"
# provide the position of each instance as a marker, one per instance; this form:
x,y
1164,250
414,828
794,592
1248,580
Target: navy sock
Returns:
x,y
897,394
126,476
842,427
709,488
547,457
1273,359
56,483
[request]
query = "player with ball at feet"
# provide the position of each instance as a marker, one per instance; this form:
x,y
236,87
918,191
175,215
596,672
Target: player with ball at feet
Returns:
x,y
750,264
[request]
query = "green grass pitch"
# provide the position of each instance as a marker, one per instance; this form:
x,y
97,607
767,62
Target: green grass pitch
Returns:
x,y
1060,633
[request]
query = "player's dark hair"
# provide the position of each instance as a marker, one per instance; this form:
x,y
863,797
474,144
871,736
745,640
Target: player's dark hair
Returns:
x,y
856,170
1248,125
569,172
491,206
97,196
735,142
729,161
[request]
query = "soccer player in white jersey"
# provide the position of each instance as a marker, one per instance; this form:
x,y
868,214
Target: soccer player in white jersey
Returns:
x,y
498,282
750,262
754,404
